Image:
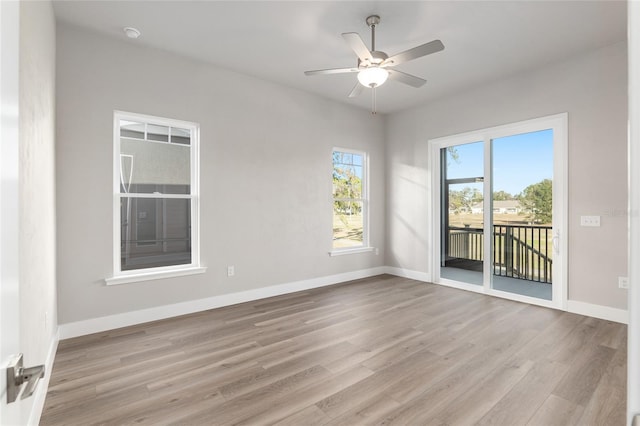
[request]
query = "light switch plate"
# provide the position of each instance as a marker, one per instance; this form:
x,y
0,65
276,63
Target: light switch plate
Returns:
x,y
623,282
590,221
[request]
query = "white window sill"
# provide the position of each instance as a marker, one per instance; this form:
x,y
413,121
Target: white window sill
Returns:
x,y
155,275
341,252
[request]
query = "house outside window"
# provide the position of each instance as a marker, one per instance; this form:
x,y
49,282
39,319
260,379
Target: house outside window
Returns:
x,y
155,195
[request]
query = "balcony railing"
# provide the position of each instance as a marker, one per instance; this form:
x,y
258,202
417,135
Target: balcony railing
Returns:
x,y
522,252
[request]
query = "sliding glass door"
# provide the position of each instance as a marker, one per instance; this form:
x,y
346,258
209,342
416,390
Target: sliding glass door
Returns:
x,y
500,210
462,241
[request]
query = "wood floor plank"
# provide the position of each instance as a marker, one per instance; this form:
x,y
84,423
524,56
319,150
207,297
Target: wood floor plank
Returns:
x,y
379,350
249,404
584,374
480,398
286,405
310,416
607,405
360,393
367,412
534,388
557,411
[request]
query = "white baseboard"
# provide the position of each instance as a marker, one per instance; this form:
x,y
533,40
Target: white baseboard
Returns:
x,y
96,325
408,273
573,306
598,311
40,394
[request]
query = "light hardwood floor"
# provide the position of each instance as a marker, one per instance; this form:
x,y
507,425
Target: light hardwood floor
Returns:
x,y
382,350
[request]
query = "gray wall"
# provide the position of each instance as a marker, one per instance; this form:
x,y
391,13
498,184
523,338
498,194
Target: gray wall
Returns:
x,y
37,226
265,174
592,88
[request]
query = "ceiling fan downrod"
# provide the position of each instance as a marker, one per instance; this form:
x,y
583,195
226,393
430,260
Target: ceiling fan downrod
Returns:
x,y
372,21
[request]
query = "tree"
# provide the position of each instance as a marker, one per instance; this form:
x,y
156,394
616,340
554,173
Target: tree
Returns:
x,y
464,199
502,196
536,200
346,185
454,154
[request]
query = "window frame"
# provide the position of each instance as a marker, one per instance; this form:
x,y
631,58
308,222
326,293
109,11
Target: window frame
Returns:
x,y
152,273
365,246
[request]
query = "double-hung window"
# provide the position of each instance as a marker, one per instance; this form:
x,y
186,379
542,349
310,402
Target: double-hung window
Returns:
x,y
155,198
350,201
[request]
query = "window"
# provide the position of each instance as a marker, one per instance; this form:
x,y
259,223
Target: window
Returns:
x,y
350,204
156,197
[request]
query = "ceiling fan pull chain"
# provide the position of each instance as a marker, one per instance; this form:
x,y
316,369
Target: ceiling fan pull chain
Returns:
x,y
373,97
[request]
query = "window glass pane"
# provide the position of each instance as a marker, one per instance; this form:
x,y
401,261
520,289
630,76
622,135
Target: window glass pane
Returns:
x,y
157,133
347,175
155,232
181,136
131,129
152,167
347,224
465,161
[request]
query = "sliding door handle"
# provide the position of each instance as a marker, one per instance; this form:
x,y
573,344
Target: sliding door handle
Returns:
x,y
556,242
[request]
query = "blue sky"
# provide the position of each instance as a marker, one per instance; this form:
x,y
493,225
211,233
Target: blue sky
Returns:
x,y
518,161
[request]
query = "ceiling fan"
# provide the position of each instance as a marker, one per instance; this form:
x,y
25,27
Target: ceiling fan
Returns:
x,y
374,67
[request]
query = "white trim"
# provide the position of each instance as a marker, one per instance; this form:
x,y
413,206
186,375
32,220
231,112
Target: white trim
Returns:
x,y
155,195
154,141
633,297
582,308
96,325
487,213
561,207
152,119
480,289
340,252
147,275
40,394
408,273
598,311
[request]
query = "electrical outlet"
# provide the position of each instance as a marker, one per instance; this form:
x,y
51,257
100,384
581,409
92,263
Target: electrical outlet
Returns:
x,y
377,251
590,221
231,271
623,282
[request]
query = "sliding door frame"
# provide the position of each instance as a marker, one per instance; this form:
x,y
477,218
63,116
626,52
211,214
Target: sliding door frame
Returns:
x,y
559,124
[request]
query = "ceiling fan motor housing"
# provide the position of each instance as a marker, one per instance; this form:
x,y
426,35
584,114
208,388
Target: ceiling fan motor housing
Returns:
x,y
377,58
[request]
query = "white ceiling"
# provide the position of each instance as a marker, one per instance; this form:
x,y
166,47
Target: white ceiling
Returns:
x,y
277,41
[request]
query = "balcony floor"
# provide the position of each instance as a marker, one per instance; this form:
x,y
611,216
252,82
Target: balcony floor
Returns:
x,y
511,285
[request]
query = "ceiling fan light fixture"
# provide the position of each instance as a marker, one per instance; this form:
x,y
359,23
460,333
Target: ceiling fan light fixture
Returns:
x,y
373,76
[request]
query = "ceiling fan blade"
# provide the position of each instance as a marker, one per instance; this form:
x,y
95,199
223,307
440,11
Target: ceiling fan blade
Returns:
x,y
332,71
417,52
405,78
357,45
357,89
